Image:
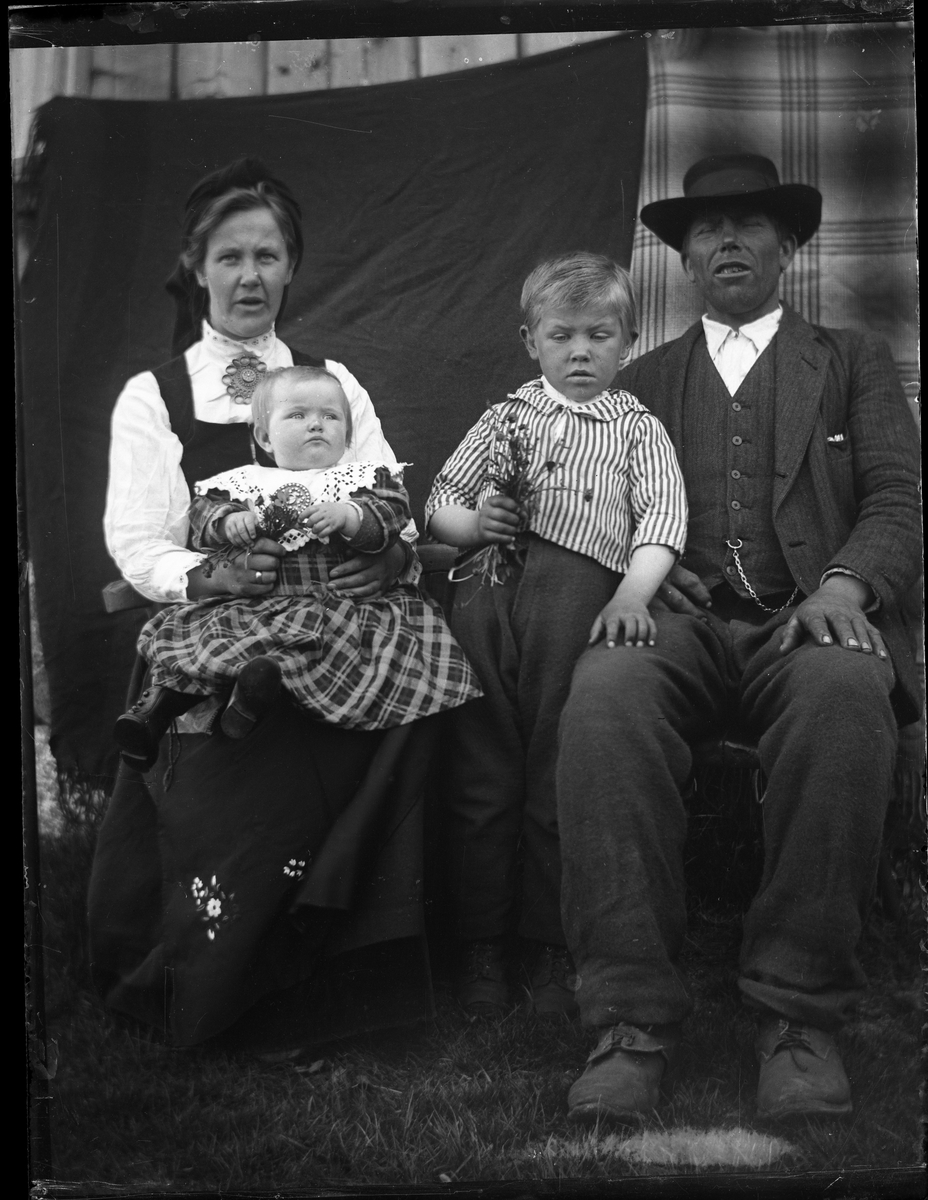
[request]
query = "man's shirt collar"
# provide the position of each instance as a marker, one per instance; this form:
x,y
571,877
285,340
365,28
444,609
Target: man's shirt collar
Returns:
x,y
760,332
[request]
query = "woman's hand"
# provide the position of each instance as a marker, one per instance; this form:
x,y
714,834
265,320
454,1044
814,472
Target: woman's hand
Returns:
x,y
238,528
251,573
498,520
367,575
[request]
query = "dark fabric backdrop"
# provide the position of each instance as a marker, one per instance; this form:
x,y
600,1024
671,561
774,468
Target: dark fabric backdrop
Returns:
x,y
425,204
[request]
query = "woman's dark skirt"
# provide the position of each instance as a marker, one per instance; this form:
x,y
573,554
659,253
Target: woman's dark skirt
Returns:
x,y
266,893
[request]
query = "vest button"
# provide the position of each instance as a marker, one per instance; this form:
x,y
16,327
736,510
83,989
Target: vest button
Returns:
x,y
736,474
736,406
736,441
735,504
729,570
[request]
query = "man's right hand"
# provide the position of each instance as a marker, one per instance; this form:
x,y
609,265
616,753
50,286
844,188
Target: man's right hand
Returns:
x,y
251,573
682,592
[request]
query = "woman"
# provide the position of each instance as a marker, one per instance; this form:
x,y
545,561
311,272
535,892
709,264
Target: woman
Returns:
x,y
264,890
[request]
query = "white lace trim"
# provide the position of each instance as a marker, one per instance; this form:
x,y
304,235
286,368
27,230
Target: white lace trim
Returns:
x,y
258,486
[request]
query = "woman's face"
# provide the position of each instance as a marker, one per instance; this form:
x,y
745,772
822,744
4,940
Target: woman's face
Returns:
x,y
245,269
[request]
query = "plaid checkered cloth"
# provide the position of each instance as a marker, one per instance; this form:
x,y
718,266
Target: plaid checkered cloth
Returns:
x,y
364,665
832,106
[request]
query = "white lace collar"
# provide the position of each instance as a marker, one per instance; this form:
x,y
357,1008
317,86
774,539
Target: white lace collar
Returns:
x,y
224,348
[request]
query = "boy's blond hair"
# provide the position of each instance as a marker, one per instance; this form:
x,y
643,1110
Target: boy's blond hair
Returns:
x,y
581,280
262,398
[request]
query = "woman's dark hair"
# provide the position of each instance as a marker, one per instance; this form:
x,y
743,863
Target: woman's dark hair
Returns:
x,y
238,187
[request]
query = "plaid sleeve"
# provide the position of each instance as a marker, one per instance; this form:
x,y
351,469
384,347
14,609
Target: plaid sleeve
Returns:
x,y
205,514
384,514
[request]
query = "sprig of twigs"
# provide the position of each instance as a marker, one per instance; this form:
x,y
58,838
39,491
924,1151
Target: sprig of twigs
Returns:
x,y
510,473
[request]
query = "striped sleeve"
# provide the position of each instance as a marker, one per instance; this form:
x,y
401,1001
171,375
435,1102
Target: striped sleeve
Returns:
x,y
657,491
464,475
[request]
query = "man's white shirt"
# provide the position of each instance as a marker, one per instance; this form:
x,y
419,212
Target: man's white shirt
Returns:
x,y
735,351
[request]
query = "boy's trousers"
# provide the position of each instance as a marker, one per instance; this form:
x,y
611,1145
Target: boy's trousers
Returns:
x,y
523,638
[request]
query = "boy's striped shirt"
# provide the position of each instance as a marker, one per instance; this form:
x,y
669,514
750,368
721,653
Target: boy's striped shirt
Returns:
x,y
606,473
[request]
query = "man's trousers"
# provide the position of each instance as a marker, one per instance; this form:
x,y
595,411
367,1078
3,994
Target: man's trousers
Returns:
x,y
826,742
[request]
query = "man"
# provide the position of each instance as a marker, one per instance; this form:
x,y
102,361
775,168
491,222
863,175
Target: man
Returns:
x,y
801,464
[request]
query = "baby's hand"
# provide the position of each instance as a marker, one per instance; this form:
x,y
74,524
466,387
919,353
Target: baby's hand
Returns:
x,y
625,620
326,519
499,520
239,528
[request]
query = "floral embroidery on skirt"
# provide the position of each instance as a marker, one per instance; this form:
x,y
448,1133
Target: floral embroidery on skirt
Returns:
x,y
216,907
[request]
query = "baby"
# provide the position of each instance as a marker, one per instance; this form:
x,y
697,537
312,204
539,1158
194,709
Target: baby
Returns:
x,y
366,665
569,498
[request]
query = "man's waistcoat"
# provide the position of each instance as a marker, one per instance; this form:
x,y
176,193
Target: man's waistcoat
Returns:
x,y
728,463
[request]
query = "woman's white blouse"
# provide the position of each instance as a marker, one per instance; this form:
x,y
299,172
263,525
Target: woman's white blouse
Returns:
x,y
147,498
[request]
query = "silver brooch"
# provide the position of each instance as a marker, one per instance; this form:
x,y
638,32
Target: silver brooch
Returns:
x,y
241,377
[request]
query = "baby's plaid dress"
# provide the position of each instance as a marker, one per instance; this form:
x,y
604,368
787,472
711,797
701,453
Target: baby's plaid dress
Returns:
x,y
368,664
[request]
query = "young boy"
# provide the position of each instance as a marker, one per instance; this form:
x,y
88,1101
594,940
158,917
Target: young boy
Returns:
x,y
602,519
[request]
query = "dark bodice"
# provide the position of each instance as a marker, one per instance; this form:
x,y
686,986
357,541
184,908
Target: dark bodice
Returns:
x,y
209,448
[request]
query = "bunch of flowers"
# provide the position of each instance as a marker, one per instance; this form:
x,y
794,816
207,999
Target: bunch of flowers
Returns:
x,y
277,516
510,473
280,514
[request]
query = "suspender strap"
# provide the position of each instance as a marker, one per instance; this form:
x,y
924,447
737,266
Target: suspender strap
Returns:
x,y
306,360
177,394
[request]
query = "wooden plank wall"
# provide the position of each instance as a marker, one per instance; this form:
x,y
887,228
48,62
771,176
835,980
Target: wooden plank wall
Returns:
x,y
216,69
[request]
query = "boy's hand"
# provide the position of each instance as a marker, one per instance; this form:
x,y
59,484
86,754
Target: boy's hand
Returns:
x,y
624,620
239,528
499,520
325,519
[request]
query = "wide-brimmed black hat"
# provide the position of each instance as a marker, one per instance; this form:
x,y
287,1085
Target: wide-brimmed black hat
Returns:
x,y
746,178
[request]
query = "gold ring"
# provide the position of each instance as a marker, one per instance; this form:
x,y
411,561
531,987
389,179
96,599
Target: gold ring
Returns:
x,y
257,576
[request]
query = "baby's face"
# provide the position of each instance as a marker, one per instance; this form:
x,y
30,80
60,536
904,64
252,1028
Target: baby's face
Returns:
x,y
307,426
579,350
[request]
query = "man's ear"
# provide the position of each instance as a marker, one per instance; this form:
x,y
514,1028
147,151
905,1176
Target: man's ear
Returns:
x,y
787,251
529,339
687,269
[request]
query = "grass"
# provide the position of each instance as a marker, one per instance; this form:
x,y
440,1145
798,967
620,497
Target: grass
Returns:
x,y
453,1101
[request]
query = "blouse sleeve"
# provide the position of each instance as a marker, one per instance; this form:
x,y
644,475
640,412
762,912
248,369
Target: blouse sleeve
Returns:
x,y
145,523
367,442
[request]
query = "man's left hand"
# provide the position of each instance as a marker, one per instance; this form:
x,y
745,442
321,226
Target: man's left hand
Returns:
x,y
367,575
834,616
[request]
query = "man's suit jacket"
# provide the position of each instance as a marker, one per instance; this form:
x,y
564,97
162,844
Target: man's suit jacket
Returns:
x,y
846,461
